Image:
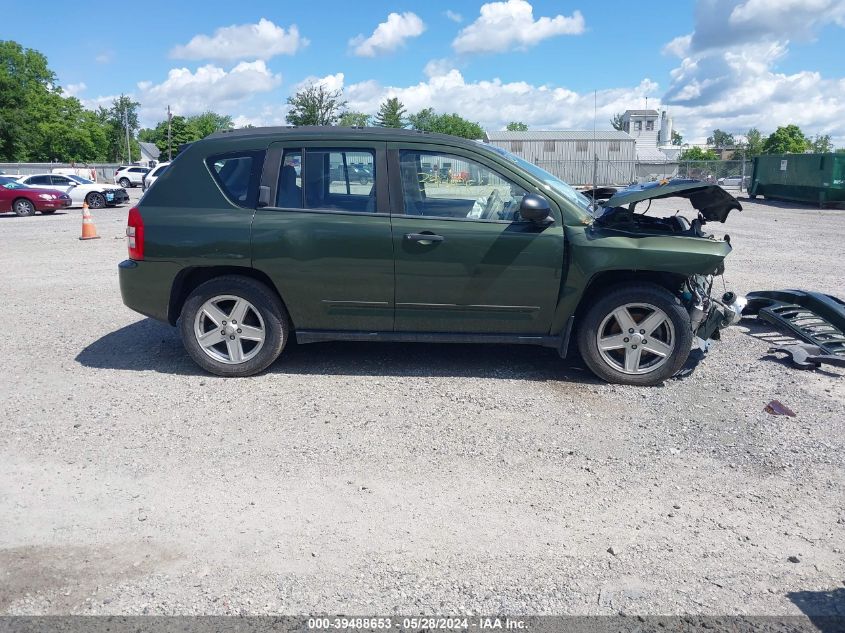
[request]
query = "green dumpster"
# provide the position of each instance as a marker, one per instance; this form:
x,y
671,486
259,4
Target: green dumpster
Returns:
x,y
812,178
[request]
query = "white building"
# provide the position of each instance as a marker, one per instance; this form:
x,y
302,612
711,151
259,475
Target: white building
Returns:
x,y
643,126
571,154
149,154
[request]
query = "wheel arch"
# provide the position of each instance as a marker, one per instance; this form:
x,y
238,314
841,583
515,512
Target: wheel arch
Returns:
x,y
188,279
600,282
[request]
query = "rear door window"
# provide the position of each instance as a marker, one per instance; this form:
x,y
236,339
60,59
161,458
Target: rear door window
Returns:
x,y
340,179
238,175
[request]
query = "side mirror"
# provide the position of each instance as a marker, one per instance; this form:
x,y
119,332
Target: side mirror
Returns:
x,y
535,208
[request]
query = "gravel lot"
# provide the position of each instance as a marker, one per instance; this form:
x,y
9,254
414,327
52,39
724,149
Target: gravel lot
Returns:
x,y
363,478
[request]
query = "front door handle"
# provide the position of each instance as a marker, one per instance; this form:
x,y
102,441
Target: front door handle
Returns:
x,y
424,238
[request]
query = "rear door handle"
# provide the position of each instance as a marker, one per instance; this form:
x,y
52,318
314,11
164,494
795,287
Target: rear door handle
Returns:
x,y
424,238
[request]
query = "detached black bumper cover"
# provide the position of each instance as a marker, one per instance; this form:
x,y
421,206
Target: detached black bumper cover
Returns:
x,y
814,317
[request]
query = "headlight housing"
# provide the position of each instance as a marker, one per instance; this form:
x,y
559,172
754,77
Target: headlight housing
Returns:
x,y
46,196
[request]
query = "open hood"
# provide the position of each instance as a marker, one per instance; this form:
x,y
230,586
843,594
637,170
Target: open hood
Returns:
x,y
711,201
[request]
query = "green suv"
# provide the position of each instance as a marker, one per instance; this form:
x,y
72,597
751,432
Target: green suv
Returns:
x,y
258,235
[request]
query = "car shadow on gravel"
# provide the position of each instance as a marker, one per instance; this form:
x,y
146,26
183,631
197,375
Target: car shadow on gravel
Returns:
x,y
149,345
826,609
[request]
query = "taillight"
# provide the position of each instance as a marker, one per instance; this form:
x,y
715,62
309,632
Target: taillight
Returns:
x,y
135,234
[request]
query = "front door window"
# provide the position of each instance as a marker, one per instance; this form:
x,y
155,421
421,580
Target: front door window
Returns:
x,y
450,186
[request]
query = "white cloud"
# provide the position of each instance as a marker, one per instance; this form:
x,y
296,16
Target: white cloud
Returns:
x,y
510,25
104,58
209,88
678,47
728,78
74,90
389,35
330,82
455,17
263,40
494,103
436,67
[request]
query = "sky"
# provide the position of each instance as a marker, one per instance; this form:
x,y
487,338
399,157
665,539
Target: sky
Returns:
x,y
727,64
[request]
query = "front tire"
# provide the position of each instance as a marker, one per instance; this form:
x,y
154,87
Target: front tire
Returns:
x,y
638,334
23,207
233,326
96,200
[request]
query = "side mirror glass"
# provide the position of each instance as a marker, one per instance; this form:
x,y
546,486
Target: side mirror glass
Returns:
x,y
535,208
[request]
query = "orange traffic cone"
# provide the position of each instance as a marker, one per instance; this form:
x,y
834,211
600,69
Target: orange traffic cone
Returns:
x,y
89,231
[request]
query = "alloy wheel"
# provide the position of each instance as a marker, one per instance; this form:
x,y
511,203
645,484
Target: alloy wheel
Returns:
x,y
229,329
636,338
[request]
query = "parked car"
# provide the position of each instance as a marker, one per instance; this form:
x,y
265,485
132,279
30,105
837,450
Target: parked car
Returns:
x,y
155,172
733,181
131,176
22,200
89,173
256,254
357,173
97,195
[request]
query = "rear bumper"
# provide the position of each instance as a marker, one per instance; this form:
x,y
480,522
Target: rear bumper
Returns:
x,y
145,286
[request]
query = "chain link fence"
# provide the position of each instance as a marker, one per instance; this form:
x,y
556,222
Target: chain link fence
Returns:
x,y
728,173
100,172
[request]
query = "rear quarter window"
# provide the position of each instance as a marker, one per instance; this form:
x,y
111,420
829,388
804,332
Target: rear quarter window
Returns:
x,y
238,175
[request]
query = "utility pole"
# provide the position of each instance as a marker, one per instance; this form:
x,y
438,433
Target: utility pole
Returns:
x,y
169,144
128,146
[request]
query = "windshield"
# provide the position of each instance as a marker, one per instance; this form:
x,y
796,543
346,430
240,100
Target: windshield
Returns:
x,y
81,180
551,181
10,183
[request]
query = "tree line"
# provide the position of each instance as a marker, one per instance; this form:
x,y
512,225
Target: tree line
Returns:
x,y
316,104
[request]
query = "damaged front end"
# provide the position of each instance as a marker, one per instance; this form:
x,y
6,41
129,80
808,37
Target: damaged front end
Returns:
x,y
709,314
624,213
619,211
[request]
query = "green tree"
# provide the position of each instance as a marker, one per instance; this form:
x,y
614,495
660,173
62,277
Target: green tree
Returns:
x,y
617,122
315,105
26,82
821,144
721,140
516,126
677,138
181,131
424,120
391,113
208,123
696,153
787,139
354,119
427,120
753,142
123,112
37,122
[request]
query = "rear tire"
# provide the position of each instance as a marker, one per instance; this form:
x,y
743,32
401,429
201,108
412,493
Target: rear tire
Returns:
x,y
124,182
233,326
23,207
637,334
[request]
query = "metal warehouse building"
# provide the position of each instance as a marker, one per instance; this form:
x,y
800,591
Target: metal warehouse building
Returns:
x,y
571,154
